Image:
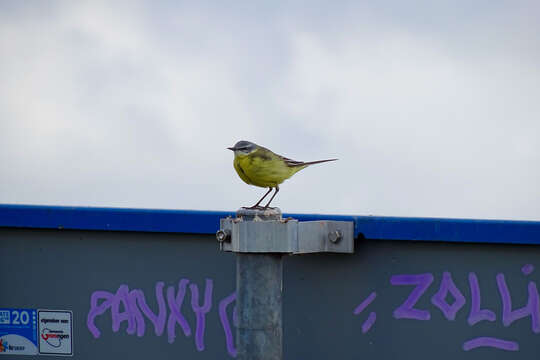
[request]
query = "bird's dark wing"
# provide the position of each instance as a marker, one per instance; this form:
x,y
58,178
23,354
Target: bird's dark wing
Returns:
x,y
292,163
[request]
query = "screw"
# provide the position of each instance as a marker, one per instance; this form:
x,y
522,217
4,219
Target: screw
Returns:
x,y
335,236
223,235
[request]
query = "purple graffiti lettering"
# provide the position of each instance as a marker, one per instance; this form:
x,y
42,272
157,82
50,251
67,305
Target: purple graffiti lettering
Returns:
x,y
369,322
439,299
157,320
477,315
135,314
406,310
130,314
223,304
96,310
365,303
371,317
490,342
201,311
132,307
527,269
532,308
175,306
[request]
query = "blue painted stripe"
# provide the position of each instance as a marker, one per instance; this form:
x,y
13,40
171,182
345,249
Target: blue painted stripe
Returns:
x,y
110,219
454,230
207,222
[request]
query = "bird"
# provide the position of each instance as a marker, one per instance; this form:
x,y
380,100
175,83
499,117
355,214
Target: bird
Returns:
x,y
257,165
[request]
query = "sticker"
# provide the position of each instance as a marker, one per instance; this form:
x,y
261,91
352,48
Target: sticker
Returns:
x,y
18,332
55,332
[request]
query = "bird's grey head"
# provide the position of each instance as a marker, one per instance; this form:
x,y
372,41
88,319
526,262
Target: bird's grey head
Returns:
x,y
243,147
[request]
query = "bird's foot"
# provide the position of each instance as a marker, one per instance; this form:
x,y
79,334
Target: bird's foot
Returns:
x,y
258,207
254,207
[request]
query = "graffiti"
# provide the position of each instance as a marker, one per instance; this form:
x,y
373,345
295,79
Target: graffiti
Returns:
x,y
476,315
169,313
439,299
450,300
406,310
371,317
531,309
490,342
129,309
223,304
176,317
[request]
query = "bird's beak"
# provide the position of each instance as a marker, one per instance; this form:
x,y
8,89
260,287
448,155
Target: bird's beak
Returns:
x,y
231,148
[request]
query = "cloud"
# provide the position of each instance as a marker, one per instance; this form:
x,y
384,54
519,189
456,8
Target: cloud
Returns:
x,y
431,108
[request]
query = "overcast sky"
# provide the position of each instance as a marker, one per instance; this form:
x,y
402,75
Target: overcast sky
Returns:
x,y
432,107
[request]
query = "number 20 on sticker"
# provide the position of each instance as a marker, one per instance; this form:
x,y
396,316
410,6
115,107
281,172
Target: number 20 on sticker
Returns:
x,y
14,317
18,331
20,317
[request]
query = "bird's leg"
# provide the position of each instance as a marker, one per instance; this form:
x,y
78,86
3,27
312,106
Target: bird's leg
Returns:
x,y
258,202
272,198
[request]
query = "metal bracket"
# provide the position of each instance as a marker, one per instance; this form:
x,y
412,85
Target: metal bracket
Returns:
x,y
285,236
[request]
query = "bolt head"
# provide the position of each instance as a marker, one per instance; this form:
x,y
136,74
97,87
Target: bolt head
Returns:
x,y
222,235
334,236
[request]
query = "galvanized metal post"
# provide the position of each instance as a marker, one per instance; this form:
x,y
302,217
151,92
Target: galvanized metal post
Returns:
x,y
259,277
258,286
260,238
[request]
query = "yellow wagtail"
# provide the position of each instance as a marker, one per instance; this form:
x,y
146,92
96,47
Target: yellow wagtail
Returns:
x,y
261,167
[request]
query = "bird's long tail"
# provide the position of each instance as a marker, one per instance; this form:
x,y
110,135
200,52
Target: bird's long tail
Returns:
x,y
319,161
303,164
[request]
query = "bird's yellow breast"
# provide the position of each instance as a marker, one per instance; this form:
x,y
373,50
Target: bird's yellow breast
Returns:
x,y
262,169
